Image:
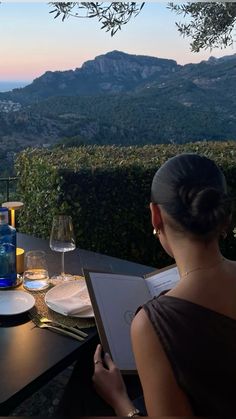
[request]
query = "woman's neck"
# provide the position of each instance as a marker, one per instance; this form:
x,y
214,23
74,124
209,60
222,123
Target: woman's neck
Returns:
x,y
191,256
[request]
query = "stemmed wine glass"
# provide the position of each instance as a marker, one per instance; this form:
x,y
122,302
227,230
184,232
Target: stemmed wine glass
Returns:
x,y
62,240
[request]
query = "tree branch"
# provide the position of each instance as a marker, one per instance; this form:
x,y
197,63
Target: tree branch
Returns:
x,y
112,16
211,24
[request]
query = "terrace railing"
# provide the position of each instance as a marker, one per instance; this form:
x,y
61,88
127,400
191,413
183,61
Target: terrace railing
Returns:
x,y
7,188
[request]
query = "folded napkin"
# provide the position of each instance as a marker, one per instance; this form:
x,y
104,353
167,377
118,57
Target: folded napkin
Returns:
x,y
69,298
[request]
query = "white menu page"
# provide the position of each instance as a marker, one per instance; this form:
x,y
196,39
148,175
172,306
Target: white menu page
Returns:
x,y
115,299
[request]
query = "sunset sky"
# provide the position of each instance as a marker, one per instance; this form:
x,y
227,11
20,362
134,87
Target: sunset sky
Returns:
x,y
32,41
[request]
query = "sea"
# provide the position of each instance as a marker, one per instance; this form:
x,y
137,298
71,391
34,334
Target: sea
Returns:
x,y
6,86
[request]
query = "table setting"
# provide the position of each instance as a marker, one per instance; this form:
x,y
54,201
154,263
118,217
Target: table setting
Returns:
x,y
53,304
59,303
31,356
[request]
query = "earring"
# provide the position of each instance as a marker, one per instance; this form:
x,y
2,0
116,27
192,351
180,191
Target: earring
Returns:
x,y
223,234
156,232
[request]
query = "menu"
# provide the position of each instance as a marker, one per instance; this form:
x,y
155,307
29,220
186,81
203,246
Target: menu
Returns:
x,y
115,299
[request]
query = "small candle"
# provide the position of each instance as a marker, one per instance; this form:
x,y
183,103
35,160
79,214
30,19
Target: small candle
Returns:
x,y
20,260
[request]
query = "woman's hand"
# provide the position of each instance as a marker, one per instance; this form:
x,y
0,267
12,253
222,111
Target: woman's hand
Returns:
x,y
109,384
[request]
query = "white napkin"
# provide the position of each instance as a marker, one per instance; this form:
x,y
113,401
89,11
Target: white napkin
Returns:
x,y
69,298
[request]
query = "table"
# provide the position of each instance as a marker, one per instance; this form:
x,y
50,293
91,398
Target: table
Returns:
x,y
29,356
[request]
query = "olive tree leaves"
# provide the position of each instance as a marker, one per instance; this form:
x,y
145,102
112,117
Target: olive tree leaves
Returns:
x,y
209,24
111,15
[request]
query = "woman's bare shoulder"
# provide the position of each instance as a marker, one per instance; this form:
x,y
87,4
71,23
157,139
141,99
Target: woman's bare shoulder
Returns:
x,y
140,321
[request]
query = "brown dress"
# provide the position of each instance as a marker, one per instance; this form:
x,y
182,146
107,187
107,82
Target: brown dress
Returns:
x,y
201,347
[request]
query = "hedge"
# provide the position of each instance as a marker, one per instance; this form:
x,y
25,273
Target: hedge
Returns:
x,y
106,190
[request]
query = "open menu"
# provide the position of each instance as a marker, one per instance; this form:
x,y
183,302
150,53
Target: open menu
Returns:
x,y
115,299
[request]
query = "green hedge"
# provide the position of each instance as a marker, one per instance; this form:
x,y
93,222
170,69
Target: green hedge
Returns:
x,y
106,190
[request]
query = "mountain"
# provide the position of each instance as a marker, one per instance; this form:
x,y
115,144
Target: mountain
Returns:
x,y
120,98
114,72
117,72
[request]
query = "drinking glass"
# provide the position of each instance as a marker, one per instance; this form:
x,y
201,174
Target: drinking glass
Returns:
x,y
35,276
62,240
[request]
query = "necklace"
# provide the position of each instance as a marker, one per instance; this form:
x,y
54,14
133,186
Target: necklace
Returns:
x,y
201,269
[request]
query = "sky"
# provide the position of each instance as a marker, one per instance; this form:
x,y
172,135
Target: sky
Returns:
x,y
33,42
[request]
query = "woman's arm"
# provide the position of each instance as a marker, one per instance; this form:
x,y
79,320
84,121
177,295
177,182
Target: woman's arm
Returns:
x,y
109,384
163,396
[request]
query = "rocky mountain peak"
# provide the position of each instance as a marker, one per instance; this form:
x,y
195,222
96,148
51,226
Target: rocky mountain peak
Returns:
x,y
117,63
117,72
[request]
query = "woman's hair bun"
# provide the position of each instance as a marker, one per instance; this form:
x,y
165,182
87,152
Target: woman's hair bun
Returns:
x,y
205,207
203,200
193,191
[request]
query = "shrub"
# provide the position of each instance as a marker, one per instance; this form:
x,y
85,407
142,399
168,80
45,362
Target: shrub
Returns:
x,y
106,190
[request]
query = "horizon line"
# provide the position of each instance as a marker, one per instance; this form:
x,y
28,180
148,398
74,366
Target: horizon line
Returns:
x,y
33,77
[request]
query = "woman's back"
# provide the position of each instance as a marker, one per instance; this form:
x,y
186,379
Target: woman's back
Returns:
x,y
214,288
200,345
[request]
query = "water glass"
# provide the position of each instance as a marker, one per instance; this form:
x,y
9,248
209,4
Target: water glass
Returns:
x,y
35,277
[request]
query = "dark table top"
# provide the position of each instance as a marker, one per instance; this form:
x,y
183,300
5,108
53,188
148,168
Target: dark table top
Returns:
x,y
29,356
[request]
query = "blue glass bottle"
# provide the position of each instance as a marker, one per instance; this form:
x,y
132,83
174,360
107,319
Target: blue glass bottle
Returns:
x,y
8,275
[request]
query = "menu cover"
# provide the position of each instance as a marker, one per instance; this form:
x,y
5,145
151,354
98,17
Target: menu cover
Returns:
x,y
115,299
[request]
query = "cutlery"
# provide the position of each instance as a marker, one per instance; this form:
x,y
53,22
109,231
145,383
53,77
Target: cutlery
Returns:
x,y
56,323
59,330
66,330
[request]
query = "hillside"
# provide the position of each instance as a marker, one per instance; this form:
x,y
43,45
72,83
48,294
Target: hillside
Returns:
x,y
119,98
114,72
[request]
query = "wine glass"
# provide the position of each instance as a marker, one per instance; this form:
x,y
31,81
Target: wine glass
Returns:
x,y
62,240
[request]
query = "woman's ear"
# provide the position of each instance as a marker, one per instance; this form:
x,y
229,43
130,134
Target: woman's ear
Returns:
x,y
155,216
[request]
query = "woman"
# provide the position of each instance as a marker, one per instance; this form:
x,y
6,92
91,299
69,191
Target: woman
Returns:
x,y
184,342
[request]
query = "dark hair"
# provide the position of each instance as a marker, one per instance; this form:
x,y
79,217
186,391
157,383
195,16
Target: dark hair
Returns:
x,y
193,191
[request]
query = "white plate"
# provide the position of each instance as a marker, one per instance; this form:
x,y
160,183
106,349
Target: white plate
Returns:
x,y
66,290
15,302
